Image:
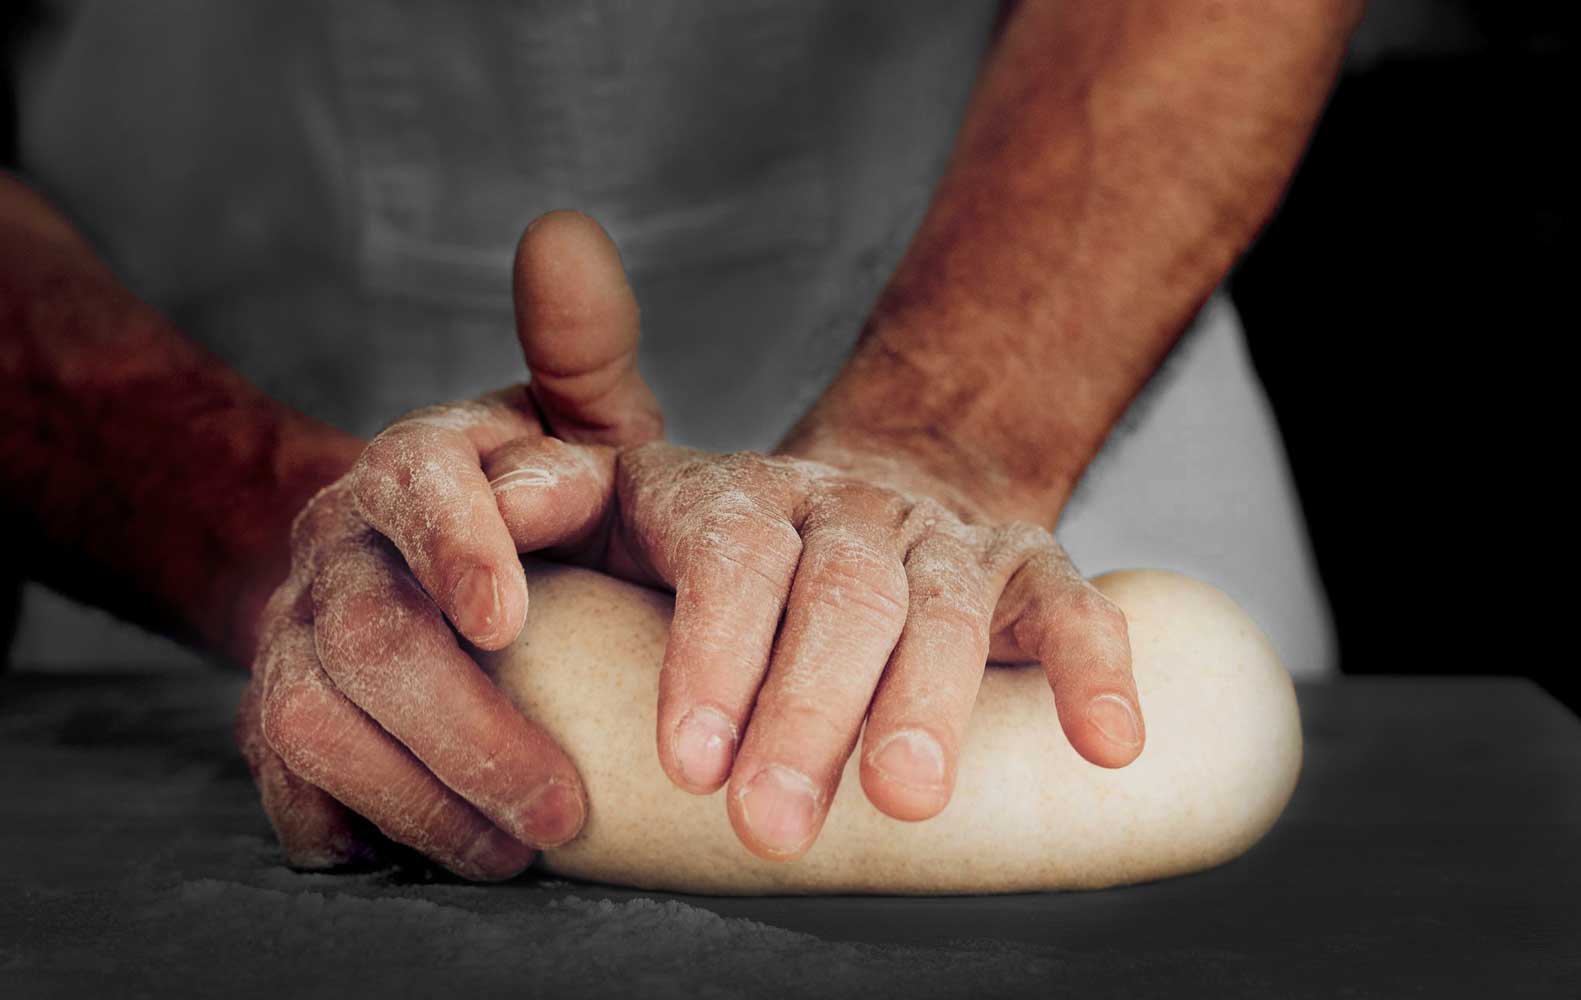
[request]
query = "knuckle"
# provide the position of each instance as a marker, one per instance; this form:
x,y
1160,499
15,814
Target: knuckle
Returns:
x,y
1027,535
383,471
369,609
835,501
727,562
420,815
316,516
441,826
385,454
376,491
955,616
434,814
855,576
1020,542
810,721
326,519
1093,610
294,719
947,563
848,554
927,512
929,523
403,480
359,633
741,535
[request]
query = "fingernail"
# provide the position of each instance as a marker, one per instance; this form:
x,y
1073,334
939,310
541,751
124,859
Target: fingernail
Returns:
x,y
910,757
553,815
705,741
495,855
518,478
476,601
779,806
1114,718
340,854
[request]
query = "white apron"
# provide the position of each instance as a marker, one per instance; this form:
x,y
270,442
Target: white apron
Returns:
x,y
327,195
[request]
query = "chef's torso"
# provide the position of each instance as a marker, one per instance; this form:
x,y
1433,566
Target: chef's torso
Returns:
x,y
327,195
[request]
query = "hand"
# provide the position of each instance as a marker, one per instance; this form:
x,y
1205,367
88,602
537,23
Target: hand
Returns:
x,y
362,701
891,601
809,598
809,595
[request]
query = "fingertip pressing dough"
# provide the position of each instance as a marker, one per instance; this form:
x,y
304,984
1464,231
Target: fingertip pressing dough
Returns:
x,y
1222,756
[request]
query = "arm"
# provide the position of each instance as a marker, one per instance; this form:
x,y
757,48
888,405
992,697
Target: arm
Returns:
x,y
1223,754
139,472
1115,159
142,474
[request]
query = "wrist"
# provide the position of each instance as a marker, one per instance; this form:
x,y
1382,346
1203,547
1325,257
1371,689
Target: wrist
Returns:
x,y
924,460
914,410
149,478
308,458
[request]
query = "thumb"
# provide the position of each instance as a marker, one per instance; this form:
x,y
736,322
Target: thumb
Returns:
x,y
577,322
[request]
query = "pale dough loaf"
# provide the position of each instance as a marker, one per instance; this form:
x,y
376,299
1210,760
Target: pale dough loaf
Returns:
x,y
1223,752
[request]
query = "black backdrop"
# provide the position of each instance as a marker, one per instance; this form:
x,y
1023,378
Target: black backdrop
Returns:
x,y
1408,310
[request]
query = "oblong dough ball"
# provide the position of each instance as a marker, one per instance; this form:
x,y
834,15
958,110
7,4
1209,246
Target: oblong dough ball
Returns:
x,y
1222,756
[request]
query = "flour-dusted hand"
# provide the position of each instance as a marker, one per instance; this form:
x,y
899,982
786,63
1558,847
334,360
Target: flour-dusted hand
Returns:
x,y
812,596
363,700
809,598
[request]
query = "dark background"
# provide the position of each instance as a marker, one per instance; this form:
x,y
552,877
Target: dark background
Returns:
x,y
1404,311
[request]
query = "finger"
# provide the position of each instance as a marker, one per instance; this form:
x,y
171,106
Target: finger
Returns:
x,y
733,580
846,610
328,743
1048,612
387,650
917,722
315,831
550,493
421,484
577,322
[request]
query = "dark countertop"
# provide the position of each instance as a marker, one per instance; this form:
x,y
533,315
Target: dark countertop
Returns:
x,y
1431,850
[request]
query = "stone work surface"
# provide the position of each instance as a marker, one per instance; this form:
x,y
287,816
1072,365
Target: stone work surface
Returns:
x,y
1428,852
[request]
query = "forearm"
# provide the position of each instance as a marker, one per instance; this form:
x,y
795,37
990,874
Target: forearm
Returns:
x,y
1114,161
137,471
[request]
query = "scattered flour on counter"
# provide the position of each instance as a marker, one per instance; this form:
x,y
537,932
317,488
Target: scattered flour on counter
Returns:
x,y
314,942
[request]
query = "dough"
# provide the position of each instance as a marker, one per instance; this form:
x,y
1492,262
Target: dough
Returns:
x,y
1223,753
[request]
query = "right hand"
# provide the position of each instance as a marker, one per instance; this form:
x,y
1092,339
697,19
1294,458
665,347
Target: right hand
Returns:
x,y
363,702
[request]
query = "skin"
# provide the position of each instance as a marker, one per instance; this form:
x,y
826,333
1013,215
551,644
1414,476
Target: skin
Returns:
x,y
1114,161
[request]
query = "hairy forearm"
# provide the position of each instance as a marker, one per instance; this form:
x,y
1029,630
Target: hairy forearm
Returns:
x,y
136,470
1115,159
